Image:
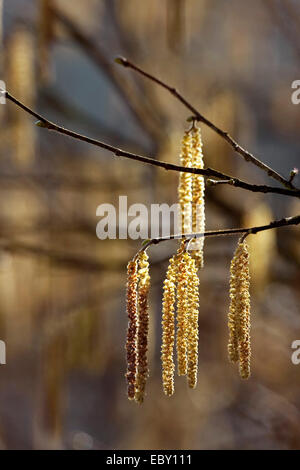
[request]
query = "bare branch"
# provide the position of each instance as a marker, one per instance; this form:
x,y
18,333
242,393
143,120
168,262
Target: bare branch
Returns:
x,y
231,231
249,157
207,172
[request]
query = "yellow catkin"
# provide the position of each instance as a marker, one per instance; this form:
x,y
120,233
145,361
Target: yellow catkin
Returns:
x,y
244,309
233,320
198,190
131,353
143,326
182,312
168,327
239,315
192,329
185,185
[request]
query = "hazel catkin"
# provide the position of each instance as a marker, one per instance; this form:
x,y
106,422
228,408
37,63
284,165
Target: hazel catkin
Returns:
x,y
198,190
185,185
192,327
239,313
131,353
168,327
143,326
182,312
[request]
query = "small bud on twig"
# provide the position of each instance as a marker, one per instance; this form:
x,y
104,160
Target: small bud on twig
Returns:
x,y
121,61
294,172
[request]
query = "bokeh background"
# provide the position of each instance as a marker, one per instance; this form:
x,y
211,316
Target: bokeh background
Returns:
x,y
62,290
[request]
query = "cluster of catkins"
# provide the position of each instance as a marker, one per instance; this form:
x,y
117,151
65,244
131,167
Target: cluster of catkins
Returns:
x,y
180,306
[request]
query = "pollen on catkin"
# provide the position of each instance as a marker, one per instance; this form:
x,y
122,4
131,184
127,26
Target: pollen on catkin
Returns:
x,y
198,190
185,185
233,320
168,327
131,353
182,312
143,326
192,327
239,313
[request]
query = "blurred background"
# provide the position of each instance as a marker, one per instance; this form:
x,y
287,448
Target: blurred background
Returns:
x,y
62,290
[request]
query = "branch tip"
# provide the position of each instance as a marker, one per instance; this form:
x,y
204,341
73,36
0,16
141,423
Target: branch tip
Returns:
x,y
121,61
41,124
294,172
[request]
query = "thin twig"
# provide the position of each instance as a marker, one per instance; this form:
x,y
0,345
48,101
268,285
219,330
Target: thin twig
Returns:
x,y
249,157
207,172
231,231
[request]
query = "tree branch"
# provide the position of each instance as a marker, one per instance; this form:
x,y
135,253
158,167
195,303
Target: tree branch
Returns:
x,y
207,172
249,157
231,231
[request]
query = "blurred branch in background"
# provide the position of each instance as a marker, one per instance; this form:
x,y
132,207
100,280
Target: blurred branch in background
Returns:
x,y
128,95
287,17
176,24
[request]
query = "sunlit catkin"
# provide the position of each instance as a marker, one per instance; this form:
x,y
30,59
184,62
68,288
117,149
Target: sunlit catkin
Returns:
x,y
233,320
192,327
132,279
185,185
168,327
198,189
239,314
143,326
182,312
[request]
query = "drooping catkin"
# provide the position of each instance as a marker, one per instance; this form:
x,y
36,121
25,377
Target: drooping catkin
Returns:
x,y
192,328
185,185
239,313
198,190
244,308
233,320
182,312
143,326
132,280
168,327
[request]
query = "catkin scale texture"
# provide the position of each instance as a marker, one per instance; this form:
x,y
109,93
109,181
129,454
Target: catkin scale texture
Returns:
x,y
233,320
182,312
168,328
132,280
143,326
239,347
192,329
198,191
185,185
